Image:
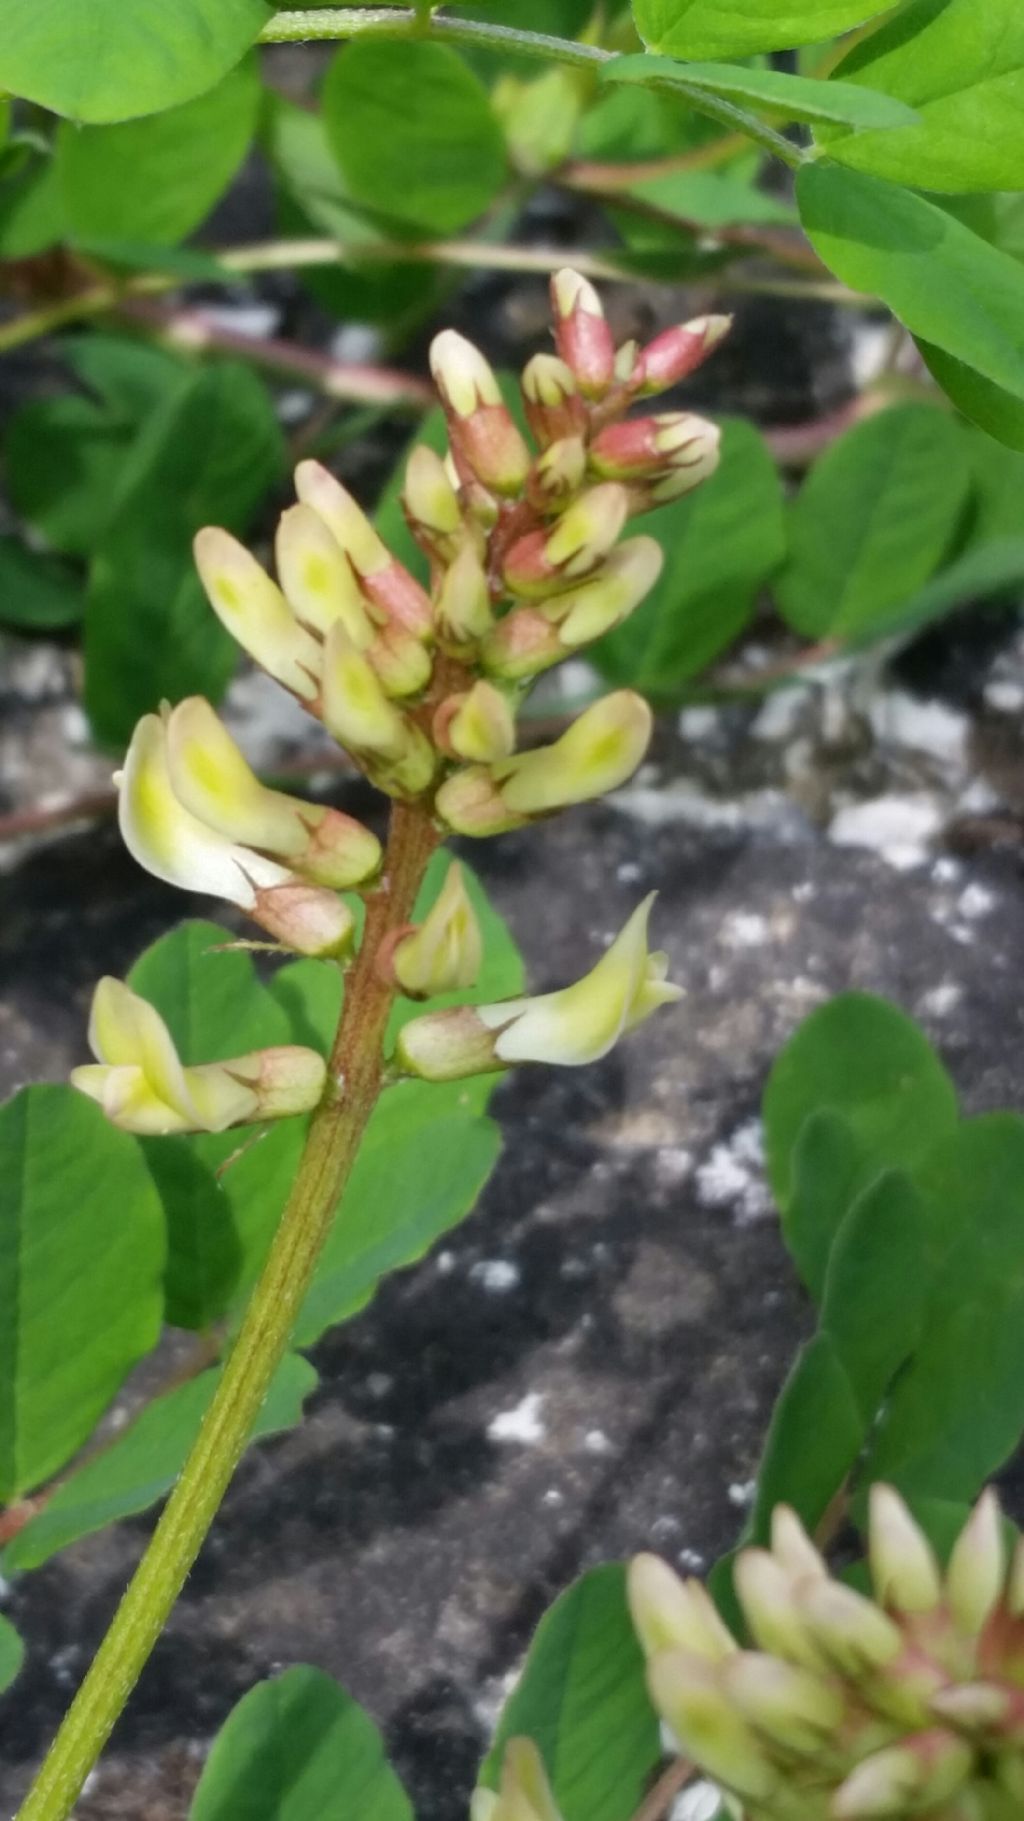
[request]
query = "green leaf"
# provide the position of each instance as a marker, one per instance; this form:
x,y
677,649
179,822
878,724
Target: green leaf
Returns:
x,y
962,67
36,593
876,1287
721,543
864,1059
583,1700
791,97
981,572
414,134
956,1413
131,378
141,1464
989,406
714,199
312,198
31,206
208,454
831,1166
156,179
299,1748
998,476
81,1260
705,28
12,1652
945,283
814,1437
873,521
107,62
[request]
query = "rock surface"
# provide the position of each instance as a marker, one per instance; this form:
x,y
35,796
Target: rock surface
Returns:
x,y
586,1368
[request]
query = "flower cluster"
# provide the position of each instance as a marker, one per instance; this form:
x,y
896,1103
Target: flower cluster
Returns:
x,y
421,684
910,1703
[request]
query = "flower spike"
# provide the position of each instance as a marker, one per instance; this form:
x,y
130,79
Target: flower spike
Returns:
x,y
142,1086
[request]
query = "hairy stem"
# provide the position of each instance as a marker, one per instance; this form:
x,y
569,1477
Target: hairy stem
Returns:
x,y
334,1136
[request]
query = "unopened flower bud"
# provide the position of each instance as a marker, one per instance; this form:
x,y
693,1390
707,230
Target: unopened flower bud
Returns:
x,y
652,448
557,474
689,1694
543,561
212,779
792,1547
789,1706
909,1778
395,754
483,435
401,661
390,591
532,638
431,505
524,1793
463,604
575,1026
554,408
446,952
174,845
904,1572
582,336
142,1086
977,1567
255,612
676,353
771,1609
696,461
853,1633
317,577
669,1613
477,725
601,749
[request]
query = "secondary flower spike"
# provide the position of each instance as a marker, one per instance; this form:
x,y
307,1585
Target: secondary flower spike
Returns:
x,y
174,845
910,1704
142,1085
577,1025
446,952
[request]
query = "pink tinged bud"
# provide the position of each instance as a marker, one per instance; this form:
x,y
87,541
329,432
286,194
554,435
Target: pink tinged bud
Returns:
x,y
976,1570
904,1570
786,1706
390,591
478,725
601,749
431,505
669,1613
676,480
676,353
164,837
625,361
446,952
523,644
578,1025
402,661
484,437
557,474
648,448
554,408
909,1778
531,639
317,577
688,1694
582,337
975,1707
463,606
255,612
143,1087
214,782
546,560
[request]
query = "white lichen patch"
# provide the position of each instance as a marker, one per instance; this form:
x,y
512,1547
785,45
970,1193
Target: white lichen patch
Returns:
x,y
521,1424
939,1001
896,827
744,929
899,719
496,1275
976,901
733,1175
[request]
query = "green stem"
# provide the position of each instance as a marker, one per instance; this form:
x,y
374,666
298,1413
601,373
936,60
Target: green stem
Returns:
x,y
334,1137
389,22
